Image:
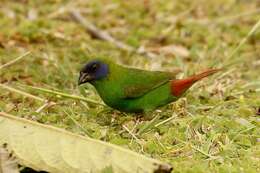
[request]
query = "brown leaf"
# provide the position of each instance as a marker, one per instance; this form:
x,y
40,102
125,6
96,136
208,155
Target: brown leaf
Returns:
x,y
176,50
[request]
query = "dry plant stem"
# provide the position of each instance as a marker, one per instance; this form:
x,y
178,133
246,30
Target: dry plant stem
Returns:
x,y
14,60
239,133
97,33
242,92
225,18
237,16
167,120
197,149
56,93
22,93
45,105
241,43
132,134
46,102
102,35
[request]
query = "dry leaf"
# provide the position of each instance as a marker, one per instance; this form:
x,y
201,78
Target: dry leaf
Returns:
x,y
176,50
32,14
50,149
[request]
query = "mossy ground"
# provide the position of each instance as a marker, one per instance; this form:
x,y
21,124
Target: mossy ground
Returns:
x,y
214,128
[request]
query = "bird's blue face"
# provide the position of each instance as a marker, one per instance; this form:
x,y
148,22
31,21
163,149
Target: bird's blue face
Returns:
x,y
92,71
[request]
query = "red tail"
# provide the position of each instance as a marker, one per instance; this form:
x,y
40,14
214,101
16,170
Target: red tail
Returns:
x,y
179,86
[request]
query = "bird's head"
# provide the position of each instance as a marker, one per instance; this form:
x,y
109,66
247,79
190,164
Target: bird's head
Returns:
x,y
92,71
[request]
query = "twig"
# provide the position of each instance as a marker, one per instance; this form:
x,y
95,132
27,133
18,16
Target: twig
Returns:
x,y
225,18
159,142
65,95
22,93
197,149
242,42
132,134
45,105
97,33
14,60
165,121
132,130
226,73
236,16
221,104
242,92
61,10
46,102
102,35
242,131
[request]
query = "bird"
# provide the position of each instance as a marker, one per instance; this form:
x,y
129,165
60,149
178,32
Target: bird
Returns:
x,y
135,90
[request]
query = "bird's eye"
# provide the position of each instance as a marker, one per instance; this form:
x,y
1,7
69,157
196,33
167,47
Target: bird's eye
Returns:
x,y
94,67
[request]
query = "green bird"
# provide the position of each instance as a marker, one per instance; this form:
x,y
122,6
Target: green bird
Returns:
x,y
134,90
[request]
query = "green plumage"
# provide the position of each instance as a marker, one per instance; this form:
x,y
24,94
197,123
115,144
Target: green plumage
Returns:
x,y
134,90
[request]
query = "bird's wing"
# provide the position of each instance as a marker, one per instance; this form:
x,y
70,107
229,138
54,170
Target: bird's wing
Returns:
x,y
140,82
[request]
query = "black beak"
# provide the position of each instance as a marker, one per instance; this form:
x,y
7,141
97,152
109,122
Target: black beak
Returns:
x,y
83,78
